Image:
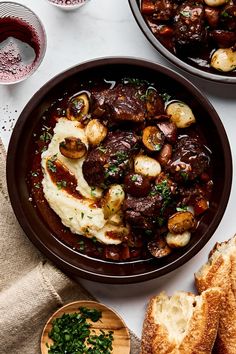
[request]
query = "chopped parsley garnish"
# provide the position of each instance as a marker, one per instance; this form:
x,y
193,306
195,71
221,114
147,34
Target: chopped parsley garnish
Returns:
x,y
61,184
160,221
71,333
164,190
225,14
134,178
182,208
121,156
165,96
184,175
50,164
185,13
82,215
81,245
46,136
134,81
93,191
148,232
102,149
111,170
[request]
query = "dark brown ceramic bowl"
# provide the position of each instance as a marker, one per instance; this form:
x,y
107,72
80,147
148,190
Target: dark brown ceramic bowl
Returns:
x,y
32,221
227,78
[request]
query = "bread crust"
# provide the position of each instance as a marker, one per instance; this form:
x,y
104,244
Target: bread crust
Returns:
x,y
220,271
201,332
203,327
154,336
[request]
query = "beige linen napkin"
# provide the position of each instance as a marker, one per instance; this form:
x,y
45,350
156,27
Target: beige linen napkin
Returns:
x,y
31,288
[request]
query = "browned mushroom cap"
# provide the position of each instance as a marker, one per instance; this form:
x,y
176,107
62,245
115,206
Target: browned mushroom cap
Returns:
x,y
73,148
181,221
78,107
153,138
159,248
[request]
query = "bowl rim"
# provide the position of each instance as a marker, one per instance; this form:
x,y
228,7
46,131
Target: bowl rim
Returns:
x,y
26,224
170,56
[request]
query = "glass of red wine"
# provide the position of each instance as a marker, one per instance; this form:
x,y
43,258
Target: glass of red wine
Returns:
x,y
22,42
68,4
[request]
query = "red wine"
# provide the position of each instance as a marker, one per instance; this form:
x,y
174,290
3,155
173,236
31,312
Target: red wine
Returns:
x,y
19,49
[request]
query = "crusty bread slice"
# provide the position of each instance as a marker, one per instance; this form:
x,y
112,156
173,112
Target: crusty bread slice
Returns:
x,y
181,324
220,270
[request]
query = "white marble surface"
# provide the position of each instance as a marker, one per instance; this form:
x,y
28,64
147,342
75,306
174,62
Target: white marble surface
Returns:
x,y
106,28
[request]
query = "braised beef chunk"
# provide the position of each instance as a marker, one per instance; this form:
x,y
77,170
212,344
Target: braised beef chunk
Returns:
x,y
228,17
189,160
189,25
127,103
141,212
122,103
164,10
108,163
224,39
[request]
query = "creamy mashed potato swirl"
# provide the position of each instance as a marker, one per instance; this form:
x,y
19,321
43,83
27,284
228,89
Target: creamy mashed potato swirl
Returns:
x,y
80,215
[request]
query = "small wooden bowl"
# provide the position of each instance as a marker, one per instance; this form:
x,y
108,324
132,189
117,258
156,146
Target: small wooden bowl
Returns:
x,y
110,321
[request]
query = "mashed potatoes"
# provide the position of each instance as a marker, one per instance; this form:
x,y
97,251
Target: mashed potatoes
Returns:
x,y
78,214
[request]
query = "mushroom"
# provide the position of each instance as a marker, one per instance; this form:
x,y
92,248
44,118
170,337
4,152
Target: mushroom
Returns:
x,y
224,59
181,114
72,148
78,107
181,221
113,200
146,166
165,154
95,132
215,3
159,248
153,138
178,240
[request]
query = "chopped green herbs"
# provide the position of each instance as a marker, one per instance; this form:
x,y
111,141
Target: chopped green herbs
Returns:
x,y
72,334
45,137
134,178
163,189
182,208
148,232
134,81
102,149
82,215
112,169
81,245
51,166
184,175
185,13
93,192
61,184
165,96
225,14
121,156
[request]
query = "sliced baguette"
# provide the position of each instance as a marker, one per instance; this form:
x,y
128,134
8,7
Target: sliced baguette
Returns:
x,y
220,271
181,324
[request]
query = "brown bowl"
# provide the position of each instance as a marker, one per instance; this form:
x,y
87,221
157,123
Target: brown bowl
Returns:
x,y
31,219
227,78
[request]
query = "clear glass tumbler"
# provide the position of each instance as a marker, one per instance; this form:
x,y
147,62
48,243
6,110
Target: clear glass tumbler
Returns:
x,y
22,42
